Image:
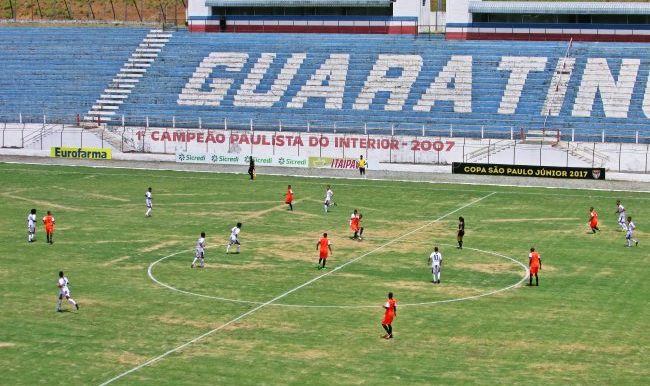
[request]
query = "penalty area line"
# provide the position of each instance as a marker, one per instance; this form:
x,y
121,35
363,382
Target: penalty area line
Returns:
x,y
287,293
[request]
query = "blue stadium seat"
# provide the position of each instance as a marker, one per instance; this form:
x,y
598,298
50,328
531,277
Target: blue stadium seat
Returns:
x,y
63,72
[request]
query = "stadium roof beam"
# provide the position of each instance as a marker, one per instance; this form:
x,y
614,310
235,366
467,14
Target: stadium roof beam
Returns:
x,y
559,8
298,3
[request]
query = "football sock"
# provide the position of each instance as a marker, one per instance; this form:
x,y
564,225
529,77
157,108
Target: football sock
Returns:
x,y
194,261
71,301
58,305
385,328
324,261
438,275
361,232
202,262
390,329
325,206
228,248
291,206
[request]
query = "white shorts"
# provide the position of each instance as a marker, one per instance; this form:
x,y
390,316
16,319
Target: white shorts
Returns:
x,y
435,268
31,229
149,204
327,203
629,235
64,294
234,241
199,254
621,218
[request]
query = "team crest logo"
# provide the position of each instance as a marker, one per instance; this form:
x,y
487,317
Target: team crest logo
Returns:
x,y
595,173
281,161
215,158
181,157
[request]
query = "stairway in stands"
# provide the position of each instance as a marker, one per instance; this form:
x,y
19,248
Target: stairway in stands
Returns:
x,y
106,107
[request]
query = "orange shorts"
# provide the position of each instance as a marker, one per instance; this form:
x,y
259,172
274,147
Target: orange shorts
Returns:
x,y
49,230
593,224
534,269
323,255
388,318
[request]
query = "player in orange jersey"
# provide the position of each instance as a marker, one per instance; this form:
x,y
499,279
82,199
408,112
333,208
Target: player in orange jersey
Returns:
x,y
535,265
391,311
593,220
324,246
289,197
354,224
49,222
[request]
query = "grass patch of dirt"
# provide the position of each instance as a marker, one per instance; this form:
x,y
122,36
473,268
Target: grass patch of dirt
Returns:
x,y
158,246
488,267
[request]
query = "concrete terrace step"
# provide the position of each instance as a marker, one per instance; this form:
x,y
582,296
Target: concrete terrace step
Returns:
x,y
101,113
148,50
117,91
109,101
113,96
149,60
104,107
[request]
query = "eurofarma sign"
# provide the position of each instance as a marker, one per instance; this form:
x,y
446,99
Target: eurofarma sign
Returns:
x,y
81,153
528,171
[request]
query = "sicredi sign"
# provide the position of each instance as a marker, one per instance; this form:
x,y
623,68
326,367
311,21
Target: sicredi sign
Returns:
x,y
238,159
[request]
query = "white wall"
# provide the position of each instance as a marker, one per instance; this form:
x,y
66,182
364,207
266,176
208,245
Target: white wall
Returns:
x,y
197,8
413,8
458,11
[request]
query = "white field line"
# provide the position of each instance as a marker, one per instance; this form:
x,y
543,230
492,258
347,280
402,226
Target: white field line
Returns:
x,y
259,307
524,186
402,305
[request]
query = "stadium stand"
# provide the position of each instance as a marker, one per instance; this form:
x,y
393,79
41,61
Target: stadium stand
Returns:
x,y
400,84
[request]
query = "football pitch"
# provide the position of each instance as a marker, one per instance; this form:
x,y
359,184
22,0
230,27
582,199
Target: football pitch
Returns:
x,y
269,316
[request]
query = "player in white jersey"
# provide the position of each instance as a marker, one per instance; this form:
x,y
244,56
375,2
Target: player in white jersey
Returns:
x,y
64,292
329,198
31,225
629,236
620,210
147,201
435,259
199,253
234,238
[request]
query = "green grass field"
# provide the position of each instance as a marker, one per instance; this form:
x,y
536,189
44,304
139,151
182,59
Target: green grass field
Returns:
x,y
585,324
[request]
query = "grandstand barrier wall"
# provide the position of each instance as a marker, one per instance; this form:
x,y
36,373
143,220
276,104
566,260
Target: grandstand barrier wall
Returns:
x,y
279,24
327,150
550,32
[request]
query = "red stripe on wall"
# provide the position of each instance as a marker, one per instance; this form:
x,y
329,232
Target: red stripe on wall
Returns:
x,y
410,30
548,37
